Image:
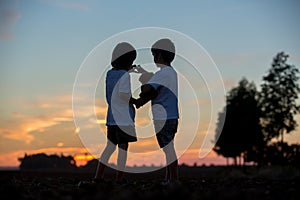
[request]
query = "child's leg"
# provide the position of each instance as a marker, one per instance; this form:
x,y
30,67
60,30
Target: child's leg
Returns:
x,y
103,161
122,157
173,170
167,177
172,162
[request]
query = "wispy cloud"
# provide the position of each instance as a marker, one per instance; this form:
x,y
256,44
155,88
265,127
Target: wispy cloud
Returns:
x,y
21,126
9,16
51,111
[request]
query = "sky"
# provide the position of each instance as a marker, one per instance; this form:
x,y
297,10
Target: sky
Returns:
x,y
44,42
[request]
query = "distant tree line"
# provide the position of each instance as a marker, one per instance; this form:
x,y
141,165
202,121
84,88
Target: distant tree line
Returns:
x,y
253,123
42,161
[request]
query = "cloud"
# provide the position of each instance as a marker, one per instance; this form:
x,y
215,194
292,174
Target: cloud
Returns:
x,y
9,16
43,123
50,102
101,111
20,126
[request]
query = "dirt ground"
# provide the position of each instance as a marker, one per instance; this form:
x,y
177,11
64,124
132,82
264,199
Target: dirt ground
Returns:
x,y
196,183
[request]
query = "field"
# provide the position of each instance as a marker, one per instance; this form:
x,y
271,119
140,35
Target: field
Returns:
x,y
196,183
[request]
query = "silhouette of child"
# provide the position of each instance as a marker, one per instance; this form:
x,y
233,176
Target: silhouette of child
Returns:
x,y
162,89
121,112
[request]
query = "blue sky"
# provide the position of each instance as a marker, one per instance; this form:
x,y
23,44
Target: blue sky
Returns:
x,y
43,43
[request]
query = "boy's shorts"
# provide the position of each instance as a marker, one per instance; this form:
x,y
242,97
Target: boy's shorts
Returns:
x,y
121,134
165,131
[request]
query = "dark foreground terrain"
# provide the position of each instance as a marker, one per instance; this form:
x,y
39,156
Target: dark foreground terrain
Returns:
x,y
196,183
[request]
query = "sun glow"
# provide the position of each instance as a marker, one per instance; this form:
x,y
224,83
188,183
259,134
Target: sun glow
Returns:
x,y
82,159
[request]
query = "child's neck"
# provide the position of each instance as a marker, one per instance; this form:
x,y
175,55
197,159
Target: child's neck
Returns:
x,y
119,69
163,65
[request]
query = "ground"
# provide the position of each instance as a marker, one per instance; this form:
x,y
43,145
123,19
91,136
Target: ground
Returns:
x,y
196,183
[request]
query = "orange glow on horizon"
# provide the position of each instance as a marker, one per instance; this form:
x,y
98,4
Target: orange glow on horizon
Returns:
x,y
81,156
85,157
82,159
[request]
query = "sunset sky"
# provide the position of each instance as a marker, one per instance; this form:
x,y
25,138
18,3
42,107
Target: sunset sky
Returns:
x,y
44,42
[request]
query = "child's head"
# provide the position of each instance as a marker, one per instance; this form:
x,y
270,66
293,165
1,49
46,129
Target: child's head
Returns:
x,y
164,49
123,56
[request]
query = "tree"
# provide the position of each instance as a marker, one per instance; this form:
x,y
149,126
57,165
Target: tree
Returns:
x,y
241,133
290,155
42,161
279,92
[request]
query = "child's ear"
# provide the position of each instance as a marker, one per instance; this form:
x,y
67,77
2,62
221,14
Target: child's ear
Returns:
x,y
159,57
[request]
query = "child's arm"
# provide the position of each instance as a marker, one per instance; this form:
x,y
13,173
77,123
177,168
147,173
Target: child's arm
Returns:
x,y
124,90
147,93
127,97
145,77
132,100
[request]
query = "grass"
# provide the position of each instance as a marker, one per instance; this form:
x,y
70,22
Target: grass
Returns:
x,y
196,183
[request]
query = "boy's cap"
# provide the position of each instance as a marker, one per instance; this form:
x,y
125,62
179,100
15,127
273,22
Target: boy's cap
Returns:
x,y
164,44
121,49
123,54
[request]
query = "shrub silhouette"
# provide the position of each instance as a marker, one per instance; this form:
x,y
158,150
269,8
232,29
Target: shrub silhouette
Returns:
x,y
49,162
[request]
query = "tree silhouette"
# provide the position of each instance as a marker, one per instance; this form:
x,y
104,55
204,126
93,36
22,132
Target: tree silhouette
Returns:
x,y
253,119
42,161
281,153
241,134
279,92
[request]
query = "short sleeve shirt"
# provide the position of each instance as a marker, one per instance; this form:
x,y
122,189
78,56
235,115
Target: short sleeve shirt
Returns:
x,y
119,112
165,105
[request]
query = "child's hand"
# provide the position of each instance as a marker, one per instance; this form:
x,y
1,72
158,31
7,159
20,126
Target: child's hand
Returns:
x,y
138,69
132,100
139,103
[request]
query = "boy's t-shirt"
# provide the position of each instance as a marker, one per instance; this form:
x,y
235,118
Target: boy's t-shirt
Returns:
x,y
119,112
165,105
